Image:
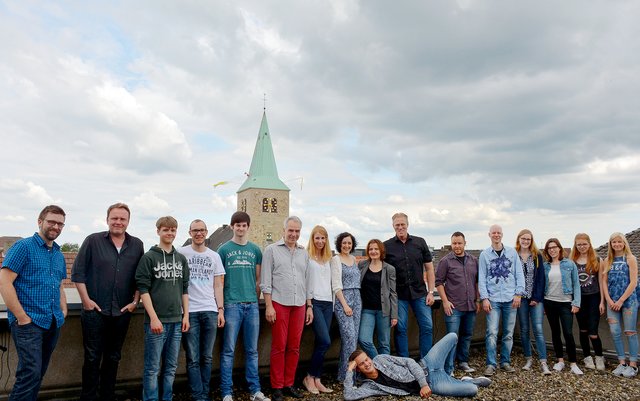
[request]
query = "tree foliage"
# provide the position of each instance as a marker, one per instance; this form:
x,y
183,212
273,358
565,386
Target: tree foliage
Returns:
x,y
69,247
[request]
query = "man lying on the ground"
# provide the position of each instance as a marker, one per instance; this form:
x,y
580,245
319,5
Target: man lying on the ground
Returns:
x,y
393,375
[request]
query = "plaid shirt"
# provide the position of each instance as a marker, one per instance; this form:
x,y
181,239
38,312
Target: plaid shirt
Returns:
x,y
40,271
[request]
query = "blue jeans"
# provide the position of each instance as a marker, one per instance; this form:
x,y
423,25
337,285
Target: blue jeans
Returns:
x,y
536,314
629,317
34,346
425,324
460,323
373,320
102,338
247,317
505,311
322,316
439,378
198,346
157,346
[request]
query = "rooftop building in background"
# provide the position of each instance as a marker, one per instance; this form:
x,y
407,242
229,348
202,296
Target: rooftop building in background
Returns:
x,y
6,242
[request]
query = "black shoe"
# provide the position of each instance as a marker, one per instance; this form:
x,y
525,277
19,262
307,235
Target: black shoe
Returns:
x,y
293,392
276,395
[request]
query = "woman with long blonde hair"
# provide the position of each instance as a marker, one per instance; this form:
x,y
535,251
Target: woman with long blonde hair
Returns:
x,y
619,280
592,303
322,303
531,306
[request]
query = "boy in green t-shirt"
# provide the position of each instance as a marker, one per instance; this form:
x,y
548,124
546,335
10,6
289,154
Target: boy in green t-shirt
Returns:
x,y
241,260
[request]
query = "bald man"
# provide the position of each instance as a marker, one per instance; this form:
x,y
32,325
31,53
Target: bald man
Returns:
x,y
501,285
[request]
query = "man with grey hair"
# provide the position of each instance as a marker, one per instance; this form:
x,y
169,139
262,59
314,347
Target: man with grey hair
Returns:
x,y
286,291
415,283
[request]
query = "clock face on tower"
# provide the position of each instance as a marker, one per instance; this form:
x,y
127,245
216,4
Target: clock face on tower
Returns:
x,y
243,205
269,205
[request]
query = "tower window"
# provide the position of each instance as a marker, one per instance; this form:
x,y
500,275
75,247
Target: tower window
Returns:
x,y
269,205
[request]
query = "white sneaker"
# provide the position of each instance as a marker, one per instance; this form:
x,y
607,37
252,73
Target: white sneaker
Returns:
x,y
558,366
588,363
479,381
600,363
575,369
619,369
545,368
630,371
258,396
527,365
227,398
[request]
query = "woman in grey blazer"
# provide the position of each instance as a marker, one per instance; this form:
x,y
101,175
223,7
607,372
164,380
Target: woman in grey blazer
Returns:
x,y
379,300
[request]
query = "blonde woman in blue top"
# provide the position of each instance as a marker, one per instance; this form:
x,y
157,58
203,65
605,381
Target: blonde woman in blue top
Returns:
x,y
561,301
619,280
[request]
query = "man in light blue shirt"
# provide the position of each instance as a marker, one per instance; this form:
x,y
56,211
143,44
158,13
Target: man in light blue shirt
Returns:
x,y
501,285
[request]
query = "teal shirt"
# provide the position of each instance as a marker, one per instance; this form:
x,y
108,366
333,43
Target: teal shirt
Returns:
x,y
240,262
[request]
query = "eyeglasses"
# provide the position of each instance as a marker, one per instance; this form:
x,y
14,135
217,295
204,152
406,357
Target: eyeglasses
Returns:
x,y
54,223
552,247
199,231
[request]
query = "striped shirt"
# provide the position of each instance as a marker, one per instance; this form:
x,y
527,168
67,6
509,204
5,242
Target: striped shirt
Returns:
x,y
40,271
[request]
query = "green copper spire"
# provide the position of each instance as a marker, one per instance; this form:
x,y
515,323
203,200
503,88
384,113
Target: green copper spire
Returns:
x,y
263,173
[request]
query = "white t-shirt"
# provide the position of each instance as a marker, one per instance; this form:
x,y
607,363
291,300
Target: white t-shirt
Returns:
x,y
554,291
203,267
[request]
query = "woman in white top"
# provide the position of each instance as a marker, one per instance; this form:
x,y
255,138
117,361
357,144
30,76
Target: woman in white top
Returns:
x,y
322,303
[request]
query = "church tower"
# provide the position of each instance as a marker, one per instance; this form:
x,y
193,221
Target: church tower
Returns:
x,y
263,195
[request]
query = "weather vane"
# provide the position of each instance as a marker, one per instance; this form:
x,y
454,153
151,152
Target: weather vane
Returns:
x,y
264,100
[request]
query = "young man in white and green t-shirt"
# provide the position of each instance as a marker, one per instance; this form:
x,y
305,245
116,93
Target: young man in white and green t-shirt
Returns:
x,y
241,260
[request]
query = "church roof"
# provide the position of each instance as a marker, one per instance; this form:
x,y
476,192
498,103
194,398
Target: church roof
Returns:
x,y
263,172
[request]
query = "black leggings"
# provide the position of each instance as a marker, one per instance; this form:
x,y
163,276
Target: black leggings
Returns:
x,y
588,320
559,314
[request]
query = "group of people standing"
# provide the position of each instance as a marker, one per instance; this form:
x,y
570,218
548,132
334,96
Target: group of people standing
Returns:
x,y
191,292
183,292
367,299
528,283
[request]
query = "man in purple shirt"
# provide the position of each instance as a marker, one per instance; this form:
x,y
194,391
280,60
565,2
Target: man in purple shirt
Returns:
x,y
457,284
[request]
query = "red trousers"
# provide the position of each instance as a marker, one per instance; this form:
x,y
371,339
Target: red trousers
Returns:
x,y
286,333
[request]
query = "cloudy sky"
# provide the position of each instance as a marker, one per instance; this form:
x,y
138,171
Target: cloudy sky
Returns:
x,y
460,113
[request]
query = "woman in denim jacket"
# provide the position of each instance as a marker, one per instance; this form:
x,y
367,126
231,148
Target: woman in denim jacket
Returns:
x,y
561,301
